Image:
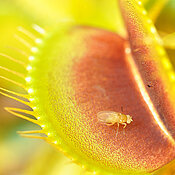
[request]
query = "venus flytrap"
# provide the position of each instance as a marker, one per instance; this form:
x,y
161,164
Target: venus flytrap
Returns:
x,y
75,72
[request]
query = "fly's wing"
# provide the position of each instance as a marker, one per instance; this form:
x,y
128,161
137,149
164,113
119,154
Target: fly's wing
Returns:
x,y
106,117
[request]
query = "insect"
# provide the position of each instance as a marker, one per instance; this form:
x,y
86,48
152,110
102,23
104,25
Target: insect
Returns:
x,y
109,118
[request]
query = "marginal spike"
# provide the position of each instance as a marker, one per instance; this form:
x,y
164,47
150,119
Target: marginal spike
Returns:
x,y
13,59
39,29
154,8
19,51
14,82
31,132
23,41
13,72
33,137
12,111
26,32
15,93
23,111
169,41
71,162
15,98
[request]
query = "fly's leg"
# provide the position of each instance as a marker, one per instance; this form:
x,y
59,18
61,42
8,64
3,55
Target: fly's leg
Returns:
x,y
124,127
117,129
109,124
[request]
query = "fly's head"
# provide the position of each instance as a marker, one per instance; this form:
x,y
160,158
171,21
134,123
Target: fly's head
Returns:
x,y
129,119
